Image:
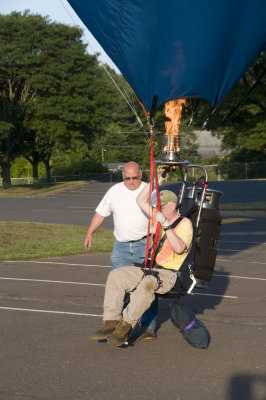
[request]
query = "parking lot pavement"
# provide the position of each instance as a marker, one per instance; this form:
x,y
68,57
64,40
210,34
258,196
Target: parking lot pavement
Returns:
x,y
74,206
48,306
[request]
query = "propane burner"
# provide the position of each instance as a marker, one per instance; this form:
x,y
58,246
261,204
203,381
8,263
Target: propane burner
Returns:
x,y
171,148
171,141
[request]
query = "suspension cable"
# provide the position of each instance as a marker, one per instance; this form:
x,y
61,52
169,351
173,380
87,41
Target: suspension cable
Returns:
x,y
127,100
152,173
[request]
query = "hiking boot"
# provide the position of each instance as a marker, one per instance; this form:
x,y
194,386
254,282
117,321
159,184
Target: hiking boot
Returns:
x,y
104,331
120,334
149,334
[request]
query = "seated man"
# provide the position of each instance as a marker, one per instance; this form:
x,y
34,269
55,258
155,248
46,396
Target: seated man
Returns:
x,y
168,260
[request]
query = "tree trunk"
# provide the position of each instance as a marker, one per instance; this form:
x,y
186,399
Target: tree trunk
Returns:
x,y
46,162
34,160
35,163
5,164
35,175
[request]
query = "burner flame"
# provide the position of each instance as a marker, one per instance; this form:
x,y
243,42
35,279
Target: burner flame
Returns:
x,y
173,111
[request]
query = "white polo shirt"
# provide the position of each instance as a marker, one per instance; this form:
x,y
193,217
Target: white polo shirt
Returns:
x,y
130,223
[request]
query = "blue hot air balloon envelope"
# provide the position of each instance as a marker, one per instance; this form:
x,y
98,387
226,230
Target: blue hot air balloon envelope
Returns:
x,y
169,49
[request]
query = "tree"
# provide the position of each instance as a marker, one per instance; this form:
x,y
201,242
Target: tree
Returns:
x,y
14,91
50,76
240,118
116,127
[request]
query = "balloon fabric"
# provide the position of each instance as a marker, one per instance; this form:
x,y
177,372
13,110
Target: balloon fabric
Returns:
x,y
178,49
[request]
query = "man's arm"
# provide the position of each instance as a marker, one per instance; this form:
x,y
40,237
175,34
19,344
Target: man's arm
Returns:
x,y
177,244
96,221
143,200
175,241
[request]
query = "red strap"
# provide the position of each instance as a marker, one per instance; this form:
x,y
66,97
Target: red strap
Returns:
x,y
152,172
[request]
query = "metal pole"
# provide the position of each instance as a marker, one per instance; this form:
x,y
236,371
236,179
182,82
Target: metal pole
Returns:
x,y
103,150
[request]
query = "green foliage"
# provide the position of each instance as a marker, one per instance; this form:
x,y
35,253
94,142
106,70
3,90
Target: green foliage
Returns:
x,y
69,164
62,164
46,81
240,118
21,168
119,137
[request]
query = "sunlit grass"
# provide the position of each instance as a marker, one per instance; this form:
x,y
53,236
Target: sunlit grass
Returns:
x,y
33,190
26,240
234,220
252,206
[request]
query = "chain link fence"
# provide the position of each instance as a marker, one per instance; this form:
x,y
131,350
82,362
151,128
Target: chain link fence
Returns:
x,y
237,171
216,172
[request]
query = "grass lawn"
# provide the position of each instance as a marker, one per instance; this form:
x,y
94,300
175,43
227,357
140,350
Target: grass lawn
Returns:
x,y
34,190
26,240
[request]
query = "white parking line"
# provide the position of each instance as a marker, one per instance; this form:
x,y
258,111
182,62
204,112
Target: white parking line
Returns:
x,y
239,277
240,241
88,192
49,311
81,207
87,211
109,266
57,263
241,261
215,295
241,251
100,284
47,210
86,195
50,281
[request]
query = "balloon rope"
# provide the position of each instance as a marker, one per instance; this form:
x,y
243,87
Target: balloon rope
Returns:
x,y
152,172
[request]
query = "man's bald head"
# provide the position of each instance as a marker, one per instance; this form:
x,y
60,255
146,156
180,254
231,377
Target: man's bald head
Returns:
x,y
132,175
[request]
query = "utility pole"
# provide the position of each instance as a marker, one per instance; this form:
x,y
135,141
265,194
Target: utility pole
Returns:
x,y
103,150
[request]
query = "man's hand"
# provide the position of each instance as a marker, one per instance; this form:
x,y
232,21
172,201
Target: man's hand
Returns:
x,y
162,220
96,221
87,241
162,173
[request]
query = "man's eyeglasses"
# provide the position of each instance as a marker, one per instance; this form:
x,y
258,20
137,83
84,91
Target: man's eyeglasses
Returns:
x,y
134,178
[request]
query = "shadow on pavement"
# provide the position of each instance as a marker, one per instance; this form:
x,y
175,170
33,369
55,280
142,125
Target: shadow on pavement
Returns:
x,y
203,299
247,387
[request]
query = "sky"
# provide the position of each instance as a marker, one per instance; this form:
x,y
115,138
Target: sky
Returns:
x,y
59,11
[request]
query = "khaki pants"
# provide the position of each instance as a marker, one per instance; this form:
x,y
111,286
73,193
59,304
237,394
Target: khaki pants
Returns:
x,y
126,279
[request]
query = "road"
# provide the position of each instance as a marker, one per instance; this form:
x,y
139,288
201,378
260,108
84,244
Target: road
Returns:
x,y
77,205
48,306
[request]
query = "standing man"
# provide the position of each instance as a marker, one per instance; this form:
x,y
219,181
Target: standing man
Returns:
x,y
130,229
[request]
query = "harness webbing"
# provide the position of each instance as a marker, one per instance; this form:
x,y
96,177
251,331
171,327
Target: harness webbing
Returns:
x,y
152,173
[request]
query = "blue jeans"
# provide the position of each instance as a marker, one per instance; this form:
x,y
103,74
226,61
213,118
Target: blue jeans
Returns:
x,y
125,254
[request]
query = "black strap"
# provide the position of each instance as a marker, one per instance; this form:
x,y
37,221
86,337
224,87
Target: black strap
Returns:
x,y
172,226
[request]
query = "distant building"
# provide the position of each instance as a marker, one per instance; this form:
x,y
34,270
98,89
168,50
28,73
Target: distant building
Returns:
x,y
115,167
209,146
